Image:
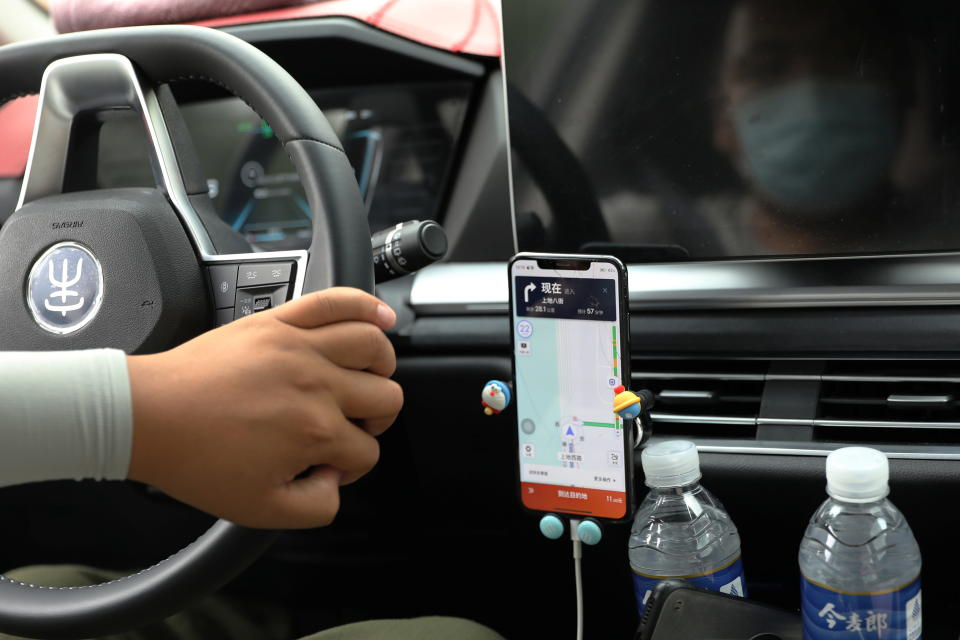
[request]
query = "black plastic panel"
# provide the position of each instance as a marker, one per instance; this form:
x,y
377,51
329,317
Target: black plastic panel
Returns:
x,y
866,332
899,332
398,55
352,53
460,332
478,221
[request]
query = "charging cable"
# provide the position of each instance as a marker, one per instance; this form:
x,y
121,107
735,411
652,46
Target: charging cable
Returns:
x,y
582,532
577,554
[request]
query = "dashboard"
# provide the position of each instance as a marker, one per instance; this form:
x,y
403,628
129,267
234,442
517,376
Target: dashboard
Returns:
x,y
400,139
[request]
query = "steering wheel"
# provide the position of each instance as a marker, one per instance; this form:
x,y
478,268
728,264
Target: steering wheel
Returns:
x,y
146,255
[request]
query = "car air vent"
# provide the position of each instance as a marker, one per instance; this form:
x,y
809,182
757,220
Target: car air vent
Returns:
x,y
703,399
890,402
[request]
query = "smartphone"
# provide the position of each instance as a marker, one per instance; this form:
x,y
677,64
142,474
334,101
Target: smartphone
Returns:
x,y
570,335
677,609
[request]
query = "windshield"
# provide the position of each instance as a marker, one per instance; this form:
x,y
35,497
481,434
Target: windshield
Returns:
x,y
734,129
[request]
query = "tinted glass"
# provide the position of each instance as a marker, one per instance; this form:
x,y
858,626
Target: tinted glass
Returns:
x,y
716,129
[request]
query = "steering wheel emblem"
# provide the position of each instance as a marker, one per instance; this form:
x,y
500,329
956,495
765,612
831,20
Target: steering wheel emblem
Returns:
x,y
65,288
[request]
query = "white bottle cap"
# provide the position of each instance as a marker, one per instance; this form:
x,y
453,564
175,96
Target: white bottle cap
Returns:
x,y
673,463
857,474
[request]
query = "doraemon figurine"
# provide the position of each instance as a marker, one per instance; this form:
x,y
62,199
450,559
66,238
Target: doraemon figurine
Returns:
x,y
635,408
626,404
495,397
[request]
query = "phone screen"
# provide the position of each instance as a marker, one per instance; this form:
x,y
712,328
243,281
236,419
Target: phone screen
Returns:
x,y
568,345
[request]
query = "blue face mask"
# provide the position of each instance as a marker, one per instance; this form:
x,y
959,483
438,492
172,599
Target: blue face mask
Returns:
x,y
815,147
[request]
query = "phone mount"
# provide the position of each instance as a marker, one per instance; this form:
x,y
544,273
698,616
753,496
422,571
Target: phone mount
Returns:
x,y
629,405
635,406
588,530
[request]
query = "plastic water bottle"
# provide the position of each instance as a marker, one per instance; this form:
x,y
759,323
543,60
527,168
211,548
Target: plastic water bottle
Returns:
x,y
681,530
859,561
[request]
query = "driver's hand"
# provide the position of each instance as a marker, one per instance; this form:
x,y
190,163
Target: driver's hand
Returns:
x,y
230,421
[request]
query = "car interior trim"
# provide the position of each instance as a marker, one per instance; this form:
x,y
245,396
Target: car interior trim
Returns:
x,y
348,29
693,419
680,375
899,280
760,377
800,422
909,400
106,80
880,424
452,288
478,199
483,39
905,452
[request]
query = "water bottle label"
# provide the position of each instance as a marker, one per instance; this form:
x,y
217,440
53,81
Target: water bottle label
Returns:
x,y
728,580
892,615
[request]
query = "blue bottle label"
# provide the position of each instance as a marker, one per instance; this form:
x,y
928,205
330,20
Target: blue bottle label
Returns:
x,y
728,579
891,615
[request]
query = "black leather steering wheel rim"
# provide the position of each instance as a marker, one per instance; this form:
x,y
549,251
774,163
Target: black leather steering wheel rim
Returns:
x,y
339,255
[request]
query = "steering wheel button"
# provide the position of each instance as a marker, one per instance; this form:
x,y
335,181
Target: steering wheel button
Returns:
x,y
223,283
244,306
258,273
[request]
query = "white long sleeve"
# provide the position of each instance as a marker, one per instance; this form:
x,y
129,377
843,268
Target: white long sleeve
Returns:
x,y
64,414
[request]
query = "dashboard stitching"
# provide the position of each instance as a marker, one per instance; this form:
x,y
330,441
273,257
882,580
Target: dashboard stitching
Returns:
x,y
224,86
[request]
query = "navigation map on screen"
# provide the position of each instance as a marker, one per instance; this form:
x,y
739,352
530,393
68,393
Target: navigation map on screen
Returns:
x,y
567,350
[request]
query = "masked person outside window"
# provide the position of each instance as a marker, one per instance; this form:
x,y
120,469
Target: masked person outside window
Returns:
x,y
810,108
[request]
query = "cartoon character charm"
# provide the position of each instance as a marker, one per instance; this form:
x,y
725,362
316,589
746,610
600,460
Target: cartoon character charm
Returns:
x,y
634,407
495,397
626,404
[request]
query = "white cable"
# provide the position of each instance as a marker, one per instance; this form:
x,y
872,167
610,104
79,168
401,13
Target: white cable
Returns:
x,y
577,554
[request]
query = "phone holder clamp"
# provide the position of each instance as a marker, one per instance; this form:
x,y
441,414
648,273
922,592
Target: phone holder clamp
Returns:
x,y
635,406
588,531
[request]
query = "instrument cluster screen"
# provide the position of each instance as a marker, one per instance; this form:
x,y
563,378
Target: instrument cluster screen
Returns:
x,y
400,141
